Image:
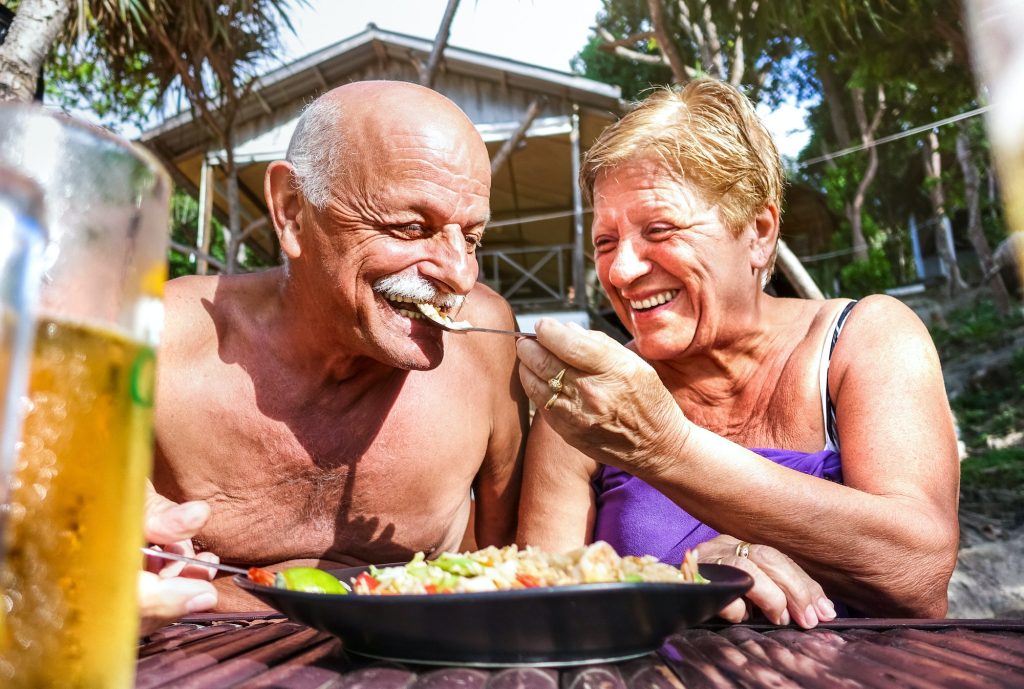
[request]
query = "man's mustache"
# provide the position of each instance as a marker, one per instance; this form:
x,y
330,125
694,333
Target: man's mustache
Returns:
x,y
417,289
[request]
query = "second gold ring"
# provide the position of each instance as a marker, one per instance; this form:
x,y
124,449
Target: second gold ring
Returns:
x,y
555,384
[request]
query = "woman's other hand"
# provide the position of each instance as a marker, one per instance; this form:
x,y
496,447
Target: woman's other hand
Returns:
x,y
610,405
782,590
167,589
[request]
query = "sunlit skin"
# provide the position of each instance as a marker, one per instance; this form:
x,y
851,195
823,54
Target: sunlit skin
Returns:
x,y
723,367
418,205
653,233
316,420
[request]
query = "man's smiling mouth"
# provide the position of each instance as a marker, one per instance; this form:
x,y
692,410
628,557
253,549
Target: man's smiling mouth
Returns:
x,y
403,304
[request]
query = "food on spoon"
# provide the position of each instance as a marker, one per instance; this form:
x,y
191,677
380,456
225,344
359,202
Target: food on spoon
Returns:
x,y
431,312
501,569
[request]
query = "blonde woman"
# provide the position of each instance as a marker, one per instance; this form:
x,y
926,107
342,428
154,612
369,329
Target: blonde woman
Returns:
x,y
808,442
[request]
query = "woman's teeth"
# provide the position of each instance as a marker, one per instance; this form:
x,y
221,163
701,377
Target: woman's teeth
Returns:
x,y
656,300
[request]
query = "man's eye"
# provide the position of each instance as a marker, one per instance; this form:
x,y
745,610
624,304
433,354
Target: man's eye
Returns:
x,y
474,242
412,230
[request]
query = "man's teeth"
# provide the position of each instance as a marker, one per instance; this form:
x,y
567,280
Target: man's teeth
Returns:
x,y
424,309
656,300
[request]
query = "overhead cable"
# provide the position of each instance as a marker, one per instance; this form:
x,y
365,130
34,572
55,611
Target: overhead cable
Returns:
x,y
894,137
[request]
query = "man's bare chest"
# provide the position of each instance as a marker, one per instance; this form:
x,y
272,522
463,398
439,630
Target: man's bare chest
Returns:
x,y
372,482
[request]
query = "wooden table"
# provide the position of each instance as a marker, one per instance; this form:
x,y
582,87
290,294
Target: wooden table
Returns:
x,y
268,651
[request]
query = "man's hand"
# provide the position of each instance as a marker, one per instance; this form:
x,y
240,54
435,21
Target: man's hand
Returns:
x,y
782,589
168,590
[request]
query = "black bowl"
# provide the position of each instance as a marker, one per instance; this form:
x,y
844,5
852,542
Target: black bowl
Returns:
x,y
564,625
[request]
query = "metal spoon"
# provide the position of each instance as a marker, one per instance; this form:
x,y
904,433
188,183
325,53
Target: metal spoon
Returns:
x,y
193,561
431,313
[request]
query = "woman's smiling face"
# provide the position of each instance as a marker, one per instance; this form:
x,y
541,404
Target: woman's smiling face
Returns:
x,y
671,267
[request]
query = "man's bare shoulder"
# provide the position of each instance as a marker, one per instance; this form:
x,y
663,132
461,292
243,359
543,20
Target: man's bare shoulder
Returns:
x,y
201,307
486,308
187,320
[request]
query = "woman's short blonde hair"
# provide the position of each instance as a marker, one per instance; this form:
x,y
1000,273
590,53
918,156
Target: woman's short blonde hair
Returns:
x,y
707,133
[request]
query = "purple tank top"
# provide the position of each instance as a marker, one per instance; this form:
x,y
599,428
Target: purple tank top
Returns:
x,y
636,519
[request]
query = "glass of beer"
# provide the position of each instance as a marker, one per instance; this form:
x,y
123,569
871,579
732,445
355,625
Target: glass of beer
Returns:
x,y
21,243
68,581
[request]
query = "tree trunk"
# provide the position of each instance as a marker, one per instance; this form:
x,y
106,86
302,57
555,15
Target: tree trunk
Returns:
x,y
428,73
933,170
35,28
855,207
834,100
506,148
972,184
668,48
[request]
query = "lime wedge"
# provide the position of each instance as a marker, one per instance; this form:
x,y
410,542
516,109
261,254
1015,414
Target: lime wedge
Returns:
x,y
309,580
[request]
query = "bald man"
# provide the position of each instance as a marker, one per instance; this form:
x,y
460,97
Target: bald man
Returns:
x,y
321,418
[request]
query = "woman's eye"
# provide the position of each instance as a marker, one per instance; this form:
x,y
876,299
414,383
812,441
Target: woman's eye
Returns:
x,y
658,232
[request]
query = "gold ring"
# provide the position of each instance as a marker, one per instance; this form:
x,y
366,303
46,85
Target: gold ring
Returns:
x,y
742,549
556,383
551,402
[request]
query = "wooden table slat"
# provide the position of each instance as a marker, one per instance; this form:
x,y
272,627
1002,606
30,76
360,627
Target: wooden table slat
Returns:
x,y
303,671
592,677
694,667
172,665
804,669
270,652
899,668
649,672
931,647
187,636
249,664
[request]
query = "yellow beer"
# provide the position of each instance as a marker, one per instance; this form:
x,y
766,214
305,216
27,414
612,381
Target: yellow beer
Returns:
x,y
75,522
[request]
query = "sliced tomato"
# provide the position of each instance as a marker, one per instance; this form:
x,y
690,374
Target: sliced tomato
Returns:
x,y
263,577
528,580
368,581
430,588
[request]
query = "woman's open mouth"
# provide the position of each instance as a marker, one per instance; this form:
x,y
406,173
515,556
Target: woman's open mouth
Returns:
x,y
652,302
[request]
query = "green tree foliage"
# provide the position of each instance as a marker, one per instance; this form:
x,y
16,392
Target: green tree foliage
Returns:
x,y
130,59
828,54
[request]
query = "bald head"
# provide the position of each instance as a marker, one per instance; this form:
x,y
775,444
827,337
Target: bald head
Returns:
x,y
364,122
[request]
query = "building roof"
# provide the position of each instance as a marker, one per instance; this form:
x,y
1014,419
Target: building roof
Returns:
x,y
494,92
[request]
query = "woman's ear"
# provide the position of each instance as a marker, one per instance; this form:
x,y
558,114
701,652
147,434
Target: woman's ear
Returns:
x,y
284,202
766,236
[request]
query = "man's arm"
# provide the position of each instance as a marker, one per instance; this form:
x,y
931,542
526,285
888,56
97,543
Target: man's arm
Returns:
x,y
497,484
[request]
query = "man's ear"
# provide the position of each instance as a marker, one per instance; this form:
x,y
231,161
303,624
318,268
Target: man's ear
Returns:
x,y
284,202
766,236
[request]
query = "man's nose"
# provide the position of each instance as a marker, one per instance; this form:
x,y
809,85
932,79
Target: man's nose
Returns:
x,y
627,264
450,262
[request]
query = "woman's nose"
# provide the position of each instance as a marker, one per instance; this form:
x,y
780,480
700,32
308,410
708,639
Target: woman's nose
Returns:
x,y
449,261
627,264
